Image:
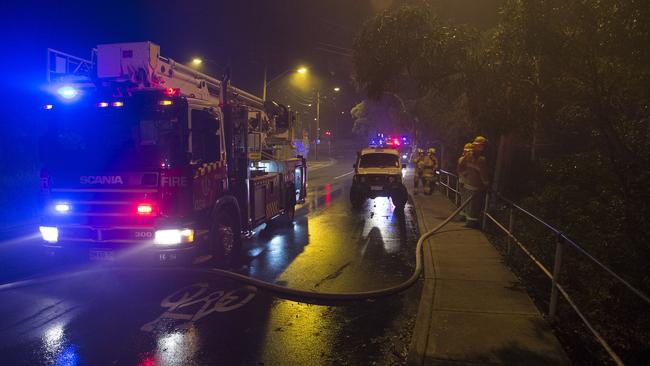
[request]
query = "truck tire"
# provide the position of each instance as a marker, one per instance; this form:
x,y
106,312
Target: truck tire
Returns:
x,y
290,205
356,197
399,196
225,240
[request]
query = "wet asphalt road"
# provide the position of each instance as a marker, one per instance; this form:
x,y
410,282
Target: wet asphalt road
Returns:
x,y
170,318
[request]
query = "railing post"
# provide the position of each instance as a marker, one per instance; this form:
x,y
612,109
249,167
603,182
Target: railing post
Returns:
x,y
511,226
552,308
447,185
457,200
485,208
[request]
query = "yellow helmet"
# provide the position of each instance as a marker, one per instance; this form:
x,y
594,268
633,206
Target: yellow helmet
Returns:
x,y
432,150
468,146
480,140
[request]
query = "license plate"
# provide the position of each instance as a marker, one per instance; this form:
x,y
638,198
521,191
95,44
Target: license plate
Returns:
x,y
101,255
376,188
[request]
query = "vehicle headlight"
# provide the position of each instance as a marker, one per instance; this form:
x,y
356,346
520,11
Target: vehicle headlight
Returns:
x,y
50,234
173,236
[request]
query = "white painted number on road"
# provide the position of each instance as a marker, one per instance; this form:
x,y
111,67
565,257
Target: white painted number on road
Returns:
x,y
194,302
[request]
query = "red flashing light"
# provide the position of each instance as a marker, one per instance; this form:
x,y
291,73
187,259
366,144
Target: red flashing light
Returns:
x,y
145,209
173,92
396,142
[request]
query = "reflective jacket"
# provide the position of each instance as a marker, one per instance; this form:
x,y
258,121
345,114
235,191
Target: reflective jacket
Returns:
x,y
473,172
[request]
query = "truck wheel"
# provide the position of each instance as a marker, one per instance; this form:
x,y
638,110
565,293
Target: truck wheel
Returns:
x,y
225,240
399,196
290,207
356,197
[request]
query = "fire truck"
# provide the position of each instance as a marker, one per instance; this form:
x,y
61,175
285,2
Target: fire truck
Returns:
x,y
144,157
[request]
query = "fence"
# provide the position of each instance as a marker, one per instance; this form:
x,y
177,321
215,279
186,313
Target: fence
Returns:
x,y
449,182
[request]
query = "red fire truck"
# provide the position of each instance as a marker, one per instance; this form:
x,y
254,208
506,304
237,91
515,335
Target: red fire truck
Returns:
x,y
144,157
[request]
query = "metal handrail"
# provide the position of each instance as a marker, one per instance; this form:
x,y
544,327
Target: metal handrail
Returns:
x,y
565,238
556,288
448,185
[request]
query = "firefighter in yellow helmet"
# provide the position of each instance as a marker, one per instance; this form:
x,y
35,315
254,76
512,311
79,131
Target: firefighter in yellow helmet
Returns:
x,y
418,174
462,179
473,169
430,164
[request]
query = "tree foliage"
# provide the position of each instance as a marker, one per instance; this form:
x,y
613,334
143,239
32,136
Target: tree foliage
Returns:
x,y
570,80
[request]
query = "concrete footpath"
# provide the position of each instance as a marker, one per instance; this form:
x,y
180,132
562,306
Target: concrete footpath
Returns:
x,y
473,310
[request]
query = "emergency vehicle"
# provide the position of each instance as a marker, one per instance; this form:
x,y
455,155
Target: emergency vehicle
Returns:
x,y
378,173
401,143
145,155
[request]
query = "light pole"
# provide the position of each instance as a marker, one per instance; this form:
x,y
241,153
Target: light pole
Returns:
x,y
300,70
317,122
318,98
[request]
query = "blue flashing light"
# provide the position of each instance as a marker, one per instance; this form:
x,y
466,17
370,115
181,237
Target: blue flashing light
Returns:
x,y
318,142
62,207
67,92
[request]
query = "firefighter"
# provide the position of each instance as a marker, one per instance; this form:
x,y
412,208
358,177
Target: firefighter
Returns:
x,y
474,167
462,179
430,166
418,174
432,156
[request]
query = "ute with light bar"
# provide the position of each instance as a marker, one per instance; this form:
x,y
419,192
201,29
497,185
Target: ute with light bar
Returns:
x,y
139,152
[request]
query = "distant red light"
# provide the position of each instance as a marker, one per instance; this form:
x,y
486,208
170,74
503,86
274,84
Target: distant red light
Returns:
x,y
173,92
145,209
396,142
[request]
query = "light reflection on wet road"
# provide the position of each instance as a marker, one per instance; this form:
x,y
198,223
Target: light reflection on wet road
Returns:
x,y
188,319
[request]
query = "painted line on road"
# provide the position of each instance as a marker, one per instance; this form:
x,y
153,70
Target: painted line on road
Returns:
x,y
343,175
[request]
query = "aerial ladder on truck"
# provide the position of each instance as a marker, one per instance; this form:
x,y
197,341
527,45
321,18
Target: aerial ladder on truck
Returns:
x,y
237,169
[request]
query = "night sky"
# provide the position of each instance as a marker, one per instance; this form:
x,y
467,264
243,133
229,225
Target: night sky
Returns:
x,y
241,34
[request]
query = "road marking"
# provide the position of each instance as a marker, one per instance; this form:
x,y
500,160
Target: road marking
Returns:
x,y
343,175
196,307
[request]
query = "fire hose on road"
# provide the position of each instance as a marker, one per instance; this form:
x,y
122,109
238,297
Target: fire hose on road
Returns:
x,y
294,294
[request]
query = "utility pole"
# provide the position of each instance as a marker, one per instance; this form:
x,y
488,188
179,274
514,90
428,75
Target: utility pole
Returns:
x,y
317,121
264,87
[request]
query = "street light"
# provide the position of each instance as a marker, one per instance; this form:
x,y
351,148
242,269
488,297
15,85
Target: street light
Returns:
x,y
197,61
336,89
299,70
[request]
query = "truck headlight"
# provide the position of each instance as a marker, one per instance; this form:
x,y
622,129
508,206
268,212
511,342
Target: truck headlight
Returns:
x,y
50,234
173,236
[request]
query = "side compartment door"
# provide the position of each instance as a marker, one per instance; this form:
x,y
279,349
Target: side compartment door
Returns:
x,y
207,157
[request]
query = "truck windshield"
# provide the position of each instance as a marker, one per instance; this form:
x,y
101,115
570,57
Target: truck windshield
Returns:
x,y
379,160
110,139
